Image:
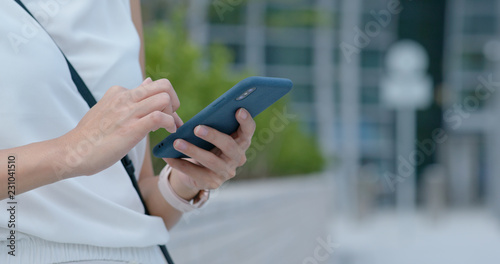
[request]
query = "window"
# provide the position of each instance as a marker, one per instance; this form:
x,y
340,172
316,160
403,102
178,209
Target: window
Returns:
x,y
224,13
372,59
473,61
302,93
237,52
370,95
288,55
290,18
480,25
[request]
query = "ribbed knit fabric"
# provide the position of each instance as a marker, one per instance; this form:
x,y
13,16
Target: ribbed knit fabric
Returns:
x,y
34,250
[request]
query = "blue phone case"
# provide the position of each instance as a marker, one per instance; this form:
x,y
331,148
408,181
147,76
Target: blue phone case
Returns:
x,y
220,114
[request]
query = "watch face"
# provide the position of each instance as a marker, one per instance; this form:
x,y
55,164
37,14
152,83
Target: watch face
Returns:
x,y
201,198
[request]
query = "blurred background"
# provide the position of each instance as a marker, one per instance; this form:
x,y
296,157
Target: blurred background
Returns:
x,y
385,151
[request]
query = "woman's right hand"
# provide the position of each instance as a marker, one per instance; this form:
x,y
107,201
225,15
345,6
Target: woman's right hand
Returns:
x,y
118,122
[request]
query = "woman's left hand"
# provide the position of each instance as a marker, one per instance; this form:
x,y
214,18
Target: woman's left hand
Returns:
x,y
210,169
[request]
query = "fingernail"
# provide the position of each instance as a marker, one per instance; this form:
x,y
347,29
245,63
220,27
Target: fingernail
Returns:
x,y
147,80
201,131
243,114
180,145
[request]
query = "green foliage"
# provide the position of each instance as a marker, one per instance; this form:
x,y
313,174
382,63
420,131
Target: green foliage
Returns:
x,y
301,18
227,12
198,81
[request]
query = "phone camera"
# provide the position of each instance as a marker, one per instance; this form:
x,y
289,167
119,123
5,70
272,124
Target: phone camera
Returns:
x,y
246,94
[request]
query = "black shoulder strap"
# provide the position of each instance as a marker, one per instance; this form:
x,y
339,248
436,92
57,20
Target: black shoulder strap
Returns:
x,y
91,101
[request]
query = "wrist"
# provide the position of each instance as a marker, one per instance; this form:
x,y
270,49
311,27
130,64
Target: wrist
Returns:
x,y
69,162
183,204
61,160
180,188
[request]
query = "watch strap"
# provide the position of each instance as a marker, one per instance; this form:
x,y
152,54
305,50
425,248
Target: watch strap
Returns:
x,y
174,199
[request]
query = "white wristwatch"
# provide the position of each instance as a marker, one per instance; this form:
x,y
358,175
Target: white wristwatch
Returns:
x,y
174,199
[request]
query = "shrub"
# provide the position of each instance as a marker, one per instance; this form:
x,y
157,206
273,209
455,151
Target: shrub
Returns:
x,y
200,78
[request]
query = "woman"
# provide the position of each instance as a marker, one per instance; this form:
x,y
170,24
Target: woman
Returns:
x,y
73,200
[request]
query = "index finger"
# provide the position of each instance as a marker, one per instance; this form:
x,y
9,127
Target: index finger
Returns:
x,y
178,120
148,89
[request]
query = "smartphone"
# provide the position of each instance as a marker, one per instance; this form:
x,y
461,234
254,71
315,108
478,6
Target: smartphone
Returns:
x,y
255,94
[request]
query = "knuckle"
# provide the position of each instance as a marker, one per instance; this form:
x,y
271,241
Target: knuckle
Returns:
x,y
226,173
175,105
119,102
252,126
174,101
220,181
164,83
137,94
212,185
212,159
231,173
123,96
243,160
163,99
116,89
156,117
247,143
228,143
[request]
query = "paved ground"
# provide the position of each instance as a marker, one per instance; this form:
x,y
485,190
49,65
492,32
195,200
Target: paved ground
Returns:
x,y
269,221
292,221
460,237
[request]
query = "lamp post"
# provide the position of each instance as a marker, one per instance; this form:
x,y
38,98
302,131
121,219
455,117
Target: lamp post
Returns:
x,y
406,87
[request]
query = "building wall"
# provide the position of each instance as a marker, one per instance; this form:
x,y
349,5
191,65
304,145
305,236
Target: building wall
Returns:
x,y
338,101
472,30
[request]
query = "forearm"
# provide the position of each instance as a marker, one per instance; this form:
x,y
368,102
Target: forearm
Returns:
x,y
156,203
135,9
34,165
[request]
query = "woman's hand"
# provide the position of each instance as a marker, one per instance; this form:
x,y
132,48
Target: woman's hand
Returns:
x,y
210,169
118,122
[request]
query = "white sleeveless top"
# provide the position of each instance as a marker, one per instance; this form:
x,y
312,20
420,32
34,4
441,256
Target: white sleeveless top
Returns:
x,y
38,101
